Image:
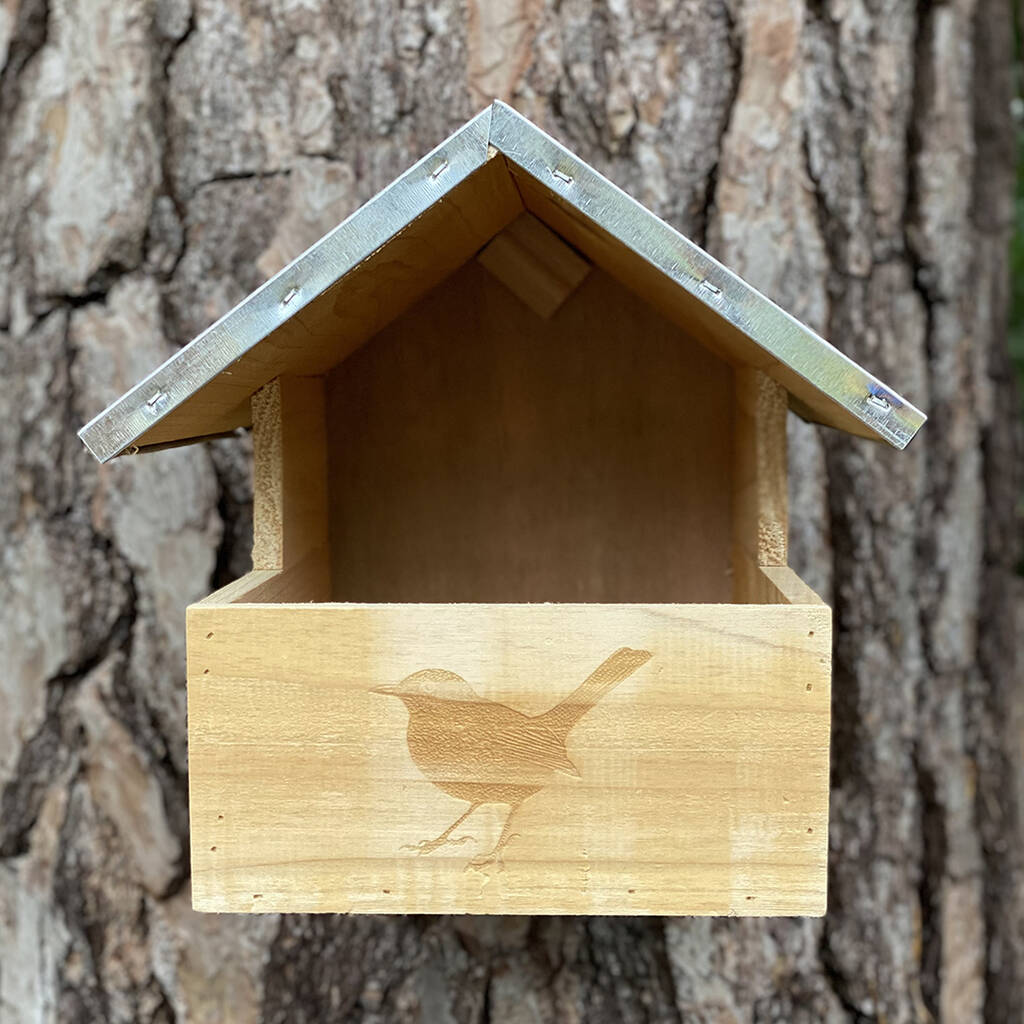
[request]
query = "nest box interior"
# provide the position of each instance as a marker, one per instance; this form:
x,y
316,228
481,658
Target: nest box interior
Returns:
x,y
528,428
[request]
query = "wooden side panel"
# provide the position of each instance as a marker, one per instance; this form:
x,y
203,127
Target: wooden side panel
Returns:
x,y
613,759
760,495
268,472
303,581
482,453
290,479
790,588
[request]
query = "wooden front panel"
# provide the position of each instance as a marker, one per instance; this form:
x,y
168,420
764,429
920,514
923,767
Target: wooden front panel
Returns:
x,y
632,759
479,452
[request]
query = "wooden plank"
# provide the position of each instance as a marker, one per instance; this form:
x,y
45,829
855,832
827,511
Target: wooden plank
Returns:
x,y
479,453
534,264
304,581
267,478
760,481
774,584
290,475
790,586
242,588
684,770
370,296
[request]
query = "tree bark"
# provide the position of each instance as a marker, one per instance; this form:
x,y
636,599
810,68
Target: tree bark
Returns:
x,y
851,158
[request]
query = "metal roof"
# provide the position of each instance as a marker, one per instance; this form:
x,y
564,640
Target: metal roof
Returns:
x,y
406,239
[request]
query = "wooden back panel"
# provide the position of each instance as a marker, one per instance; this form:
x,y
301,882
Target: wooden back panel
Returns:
x,y
480,453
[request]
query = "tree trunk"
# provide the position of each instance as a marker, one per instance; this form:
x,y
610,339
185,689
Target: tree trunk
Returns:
x,y
854,160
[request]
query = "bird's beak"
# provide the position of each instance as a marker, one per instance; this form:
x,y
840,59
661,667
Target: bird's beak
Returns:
x,y
388,691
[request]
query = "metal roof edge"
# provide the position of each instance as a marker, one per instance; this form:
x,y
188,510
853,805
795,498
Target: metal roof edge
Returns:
x,y
362,233
762,321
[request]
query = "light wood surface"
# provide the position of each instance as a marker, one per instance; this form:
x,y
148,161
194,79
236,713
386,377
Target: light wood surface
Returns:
x,y
306,580
479,452
290,477
534,264
760,480
267,478
789,588
634,759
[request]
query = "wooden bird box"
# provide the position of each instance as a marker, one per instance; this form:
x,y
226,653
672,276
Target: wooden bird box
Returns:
x,y
520,635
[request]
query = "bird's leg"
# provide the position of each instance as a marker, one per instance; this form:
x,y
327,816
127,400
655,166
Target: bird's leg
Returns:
x,y
507,835
429,845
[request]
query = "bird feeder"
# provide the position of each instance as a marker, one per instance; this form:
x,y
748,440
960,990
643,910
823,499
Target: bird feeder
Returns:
x,y
520,635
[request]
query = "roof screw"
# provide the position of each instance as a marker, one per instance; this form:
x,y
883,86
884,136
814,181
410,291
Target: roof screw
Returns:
x,y
707,286
289,295
156,401
439,170
561,175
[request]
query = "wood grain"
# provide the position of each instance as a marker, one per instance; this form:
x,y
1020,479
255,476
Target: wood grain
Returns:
x,y
760,480
303,581
290,477
534,264
479,452
697,779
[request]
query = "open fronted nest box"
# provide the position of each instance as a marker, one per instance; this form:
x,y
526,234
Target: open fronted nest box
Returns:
x,y
520,635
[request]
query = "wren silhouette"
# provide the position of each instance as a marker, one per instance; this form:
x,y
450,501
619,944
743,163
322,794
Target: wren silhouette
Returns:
x,y
486,753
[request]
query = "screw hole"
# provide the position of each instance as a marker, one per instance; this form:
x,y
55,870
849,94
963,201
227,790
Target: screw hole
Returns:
x,y
808,687
212,848
209,636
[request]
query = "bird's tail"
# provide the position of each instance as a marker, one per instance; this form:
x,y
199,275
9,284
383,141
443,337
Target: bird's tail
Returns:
x,y
622,664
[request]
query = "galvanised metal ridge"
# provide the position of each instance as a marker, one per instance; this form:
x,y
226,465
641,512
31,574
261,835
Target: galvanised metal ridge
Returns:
x,y
790,346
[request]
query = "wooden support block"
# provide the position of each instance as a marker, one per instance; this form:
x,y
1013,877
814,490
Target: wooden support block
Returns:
x,y
425,758
760,492
534,264
290,476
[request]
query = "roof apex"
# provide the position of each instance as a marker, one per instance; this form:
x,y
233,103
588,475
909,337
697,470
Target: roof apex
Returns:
x,y
596,216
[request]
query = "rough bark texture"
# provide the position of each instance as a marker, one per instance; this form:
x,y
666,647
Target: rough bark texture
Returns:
x,y
852,158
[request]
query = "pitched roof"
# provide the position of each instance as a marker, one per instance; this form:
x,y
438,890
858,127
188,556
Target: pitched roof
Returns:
x,y
424,225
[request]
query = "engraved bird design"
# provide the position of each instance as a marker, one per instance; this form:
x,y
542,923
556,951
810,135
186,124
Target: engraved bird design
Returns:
x,y
483,752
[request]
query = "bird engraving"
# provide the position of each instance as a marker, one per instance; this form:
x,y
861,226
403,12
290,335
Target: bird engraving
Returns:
x,y
483,752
